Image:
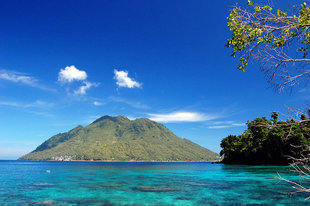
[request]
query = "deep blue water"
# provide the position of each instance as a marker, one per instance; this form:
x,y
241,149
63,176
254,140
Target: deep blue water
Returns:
x,y
103,183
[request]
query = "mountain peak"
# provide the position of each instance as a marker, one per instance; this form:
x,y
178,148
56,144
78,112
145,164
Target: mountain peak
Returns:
x,y
112,118
118,138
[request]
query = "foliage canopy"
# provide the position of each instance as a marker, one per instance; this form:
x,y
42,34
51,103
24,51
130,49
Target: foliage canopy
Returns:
x,y
279,40
266,141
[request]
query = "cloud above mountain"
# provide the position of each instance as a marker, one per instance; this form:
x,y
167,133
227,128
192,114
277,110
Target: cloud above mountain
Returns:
x,y
87,85
70,74
181,116
122,80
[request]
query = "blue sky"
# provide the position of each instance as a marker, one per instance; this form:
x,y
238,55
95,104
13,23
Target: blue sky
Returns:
x,y
65,63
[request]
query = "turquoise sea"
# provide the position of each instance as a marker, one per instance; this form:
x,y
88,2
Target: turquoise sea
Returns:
x,y
141,183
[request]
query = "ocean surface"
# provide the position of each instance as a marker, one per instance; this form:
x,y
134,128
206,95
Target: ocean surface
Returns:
x,y
141,183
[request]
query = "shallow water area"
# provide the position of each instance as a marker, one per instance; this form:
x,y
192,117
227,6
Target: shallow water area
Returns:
x,y
143,183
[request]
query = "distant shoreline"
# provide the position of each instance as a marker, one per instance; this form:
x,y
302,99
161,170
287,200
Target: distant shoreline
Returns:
x,y
211,161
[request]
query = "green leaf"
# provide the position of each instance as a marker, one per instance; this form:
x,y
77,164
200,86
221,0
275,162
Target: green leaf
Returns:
x,y
281,13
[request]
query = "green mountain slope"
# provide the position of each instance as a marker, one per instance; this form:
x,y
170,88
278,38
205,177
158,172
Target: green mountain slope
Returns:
x,y
118,138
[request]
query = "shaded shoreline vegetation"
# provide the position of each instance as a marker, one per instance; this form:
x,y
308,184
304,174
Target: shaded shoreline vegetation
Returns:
x,y
268,142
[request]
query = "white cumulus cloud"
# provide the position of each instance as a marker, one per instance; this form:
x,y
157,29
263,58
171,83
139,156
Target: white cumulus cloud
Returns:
x,y
181,117
87,85
122,80
71,73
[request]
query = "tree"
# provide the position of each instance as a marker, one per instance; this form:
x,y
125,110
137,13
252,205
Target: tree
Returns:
x,y
278,40
267,142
